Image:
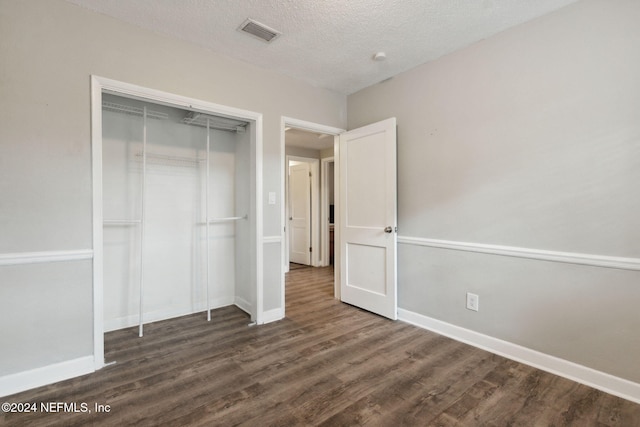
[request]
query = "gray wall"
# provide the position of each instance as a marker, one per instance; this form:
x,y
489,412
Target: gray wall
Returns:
x,y
49,50
301,152
528,139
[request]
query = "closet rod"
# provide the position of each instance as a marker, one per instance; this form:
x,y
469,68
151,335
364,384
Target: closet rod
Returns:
x,y
239,129
207,216
229,218
223,219
123,222
142,220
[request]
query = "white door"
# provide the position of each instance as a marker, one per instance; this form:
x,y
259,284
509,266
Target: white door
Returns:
x,y
300,214
368,218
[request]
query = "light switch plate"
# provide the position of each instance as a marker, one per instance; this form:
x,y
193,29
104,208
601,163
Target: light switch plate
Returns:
x,y
272,197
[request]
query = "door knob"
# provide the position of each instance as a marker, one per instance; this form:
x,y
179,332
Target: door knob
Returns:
x,y
388,229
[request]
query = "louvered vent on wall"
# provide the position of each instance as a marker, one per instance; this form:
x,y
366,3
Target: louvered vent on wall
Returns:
x,y
259,30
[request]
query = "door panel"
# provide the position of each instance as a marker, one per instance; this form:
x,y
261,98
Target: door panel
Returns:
x,y
300,214
366,176
360,275
368,209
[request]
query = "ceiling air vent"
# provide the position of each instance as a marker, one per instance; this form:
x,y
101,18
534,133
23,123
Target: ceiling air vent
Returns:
x,y
259,30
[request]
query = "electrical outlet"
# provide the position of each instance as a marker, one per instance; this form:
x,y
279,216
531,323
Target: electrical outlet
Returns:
x,y
473,301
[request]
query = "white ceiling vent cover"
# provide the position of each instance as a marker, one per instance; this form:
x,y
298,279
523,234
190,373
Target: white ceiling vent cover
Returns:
x,y
259,30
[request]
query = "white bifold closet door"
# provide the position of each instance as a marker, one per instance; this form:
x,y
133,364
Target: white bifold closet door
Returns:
x,y
156,213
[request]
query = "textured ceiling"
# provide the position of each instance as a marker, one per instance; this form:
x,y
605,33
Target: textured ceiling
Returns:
x,y
330,43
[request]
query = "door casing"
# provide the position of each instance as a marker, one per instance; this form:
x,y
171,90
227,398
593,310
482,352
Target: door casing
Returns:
x,y
318,128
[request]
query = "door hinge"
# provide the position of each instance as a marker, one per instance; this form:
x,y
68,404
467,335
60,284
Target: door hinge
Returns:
x,y
310,249
309,174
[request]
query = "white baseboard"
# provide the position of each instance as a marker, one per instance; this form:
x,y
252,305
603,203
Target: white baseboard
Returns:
x,y
243,305
21,381
169,313
272,315
602,381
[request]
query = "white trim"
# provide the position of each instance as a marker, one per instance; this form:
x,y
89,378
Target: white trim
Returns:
x,y
20,258
544,255
310,126
100,84
602,381
172,100
271,239
21,381
273,315
242,304
283,208
98,221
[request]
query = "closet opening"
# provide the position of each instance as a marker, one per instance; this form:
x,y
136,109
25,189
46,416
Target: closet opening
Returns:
x,y
178,209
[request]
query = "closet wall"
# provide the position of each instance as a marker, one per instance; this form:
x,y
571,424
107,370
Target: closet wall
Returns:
x,y
172,255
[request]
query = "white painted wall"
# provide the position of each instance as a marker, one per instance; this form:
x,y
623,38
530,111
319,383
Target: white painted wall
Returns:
x,y
50,48
528,139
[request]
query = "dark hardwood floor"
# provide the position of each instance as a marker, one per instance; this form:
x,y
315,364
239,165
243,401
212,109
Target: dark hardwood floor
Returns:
x,y
326,364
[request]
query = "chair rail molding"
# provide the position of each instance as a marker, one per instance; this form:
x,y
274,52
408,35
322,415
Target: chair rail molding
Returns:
x,y
20,258
538,254
271,239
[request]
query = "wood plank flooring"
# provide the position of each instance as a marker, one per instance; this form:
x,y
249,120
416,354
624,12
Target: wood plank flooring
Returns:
x,y
326,364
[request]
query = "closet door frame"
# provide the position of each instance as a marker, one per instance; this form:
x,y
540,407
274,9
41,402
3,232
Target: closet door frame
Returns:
x,y
100,85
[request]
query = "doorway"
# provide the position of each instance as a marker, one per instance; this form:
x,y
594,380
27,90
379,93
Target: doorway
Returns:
x,y
365,214
314,143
